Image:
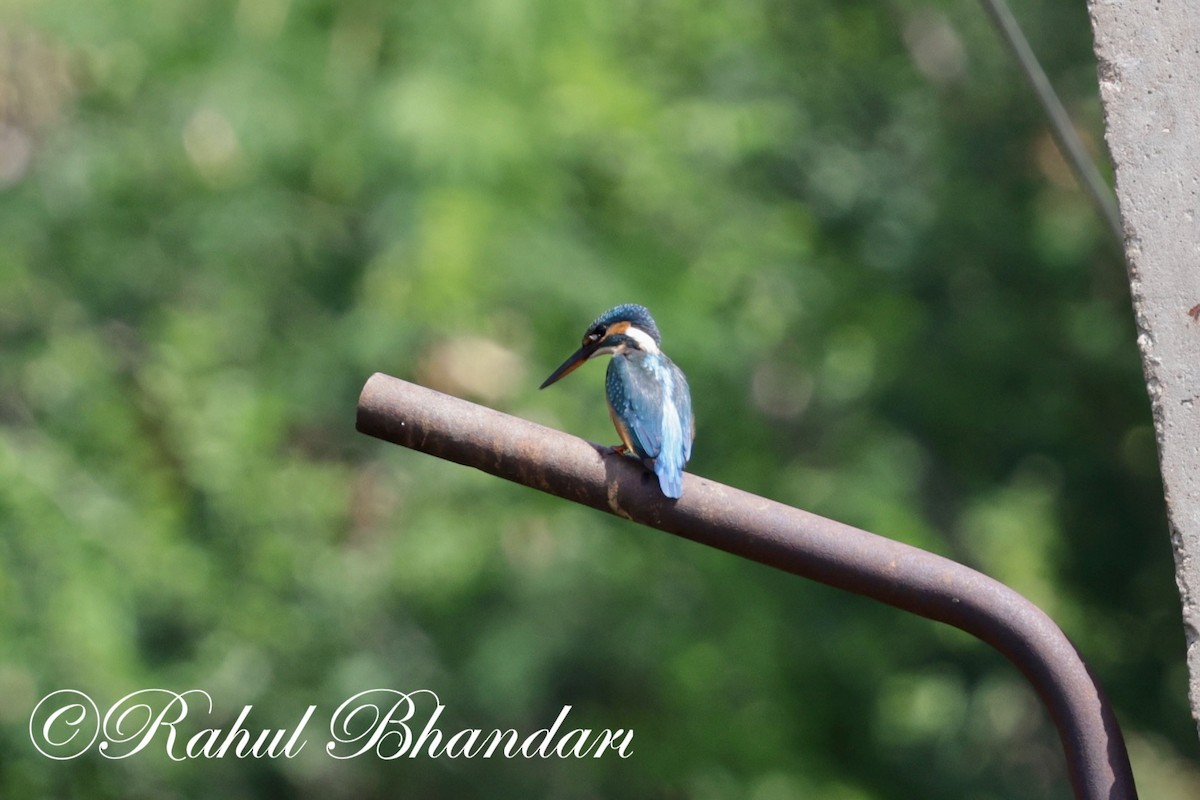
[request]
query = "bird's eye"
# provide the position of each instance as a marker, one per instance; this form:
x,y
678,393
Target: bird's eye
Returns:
x,y
591,337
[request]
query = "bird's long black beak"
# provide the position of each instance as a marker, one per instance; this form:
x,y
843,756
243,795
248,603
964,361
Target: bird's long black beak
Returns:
x,y
571,364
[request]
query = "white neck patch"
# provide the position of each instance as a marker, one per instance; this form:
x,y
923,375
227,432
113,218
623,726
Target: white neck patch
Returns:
x,y
644,340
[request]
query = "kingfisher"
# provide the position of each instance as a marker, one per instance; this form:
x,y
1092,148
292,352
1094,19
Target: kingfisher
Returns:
x,y
648,396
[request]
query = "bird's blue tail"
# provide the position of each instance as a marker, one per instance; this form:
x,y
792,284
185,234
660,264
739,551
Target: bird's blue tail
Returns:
x,y
670,474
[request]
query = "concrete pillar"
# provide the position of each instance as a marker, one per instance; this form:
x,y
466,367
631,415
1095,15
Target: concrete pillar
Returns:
x,y
1149,66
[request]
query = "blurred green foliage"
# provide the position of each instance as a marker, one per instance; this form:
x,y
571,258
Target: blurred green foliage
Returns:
x,y
894,306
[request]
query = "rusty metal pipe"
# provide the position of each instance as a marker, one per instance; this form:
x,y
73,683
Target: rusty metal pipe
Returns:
x,y
780,536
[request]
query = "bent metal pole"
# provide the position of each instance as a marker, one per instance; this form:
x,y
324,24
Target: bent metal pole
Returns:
x,y
780,536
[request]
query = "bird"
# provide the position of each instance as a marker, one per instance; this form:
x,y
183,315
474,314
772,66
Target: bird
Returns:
x,y
648,396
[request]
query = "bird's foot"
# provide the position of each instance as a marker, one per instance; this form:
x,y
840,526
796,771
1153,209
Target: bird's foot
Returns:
x,y
611,450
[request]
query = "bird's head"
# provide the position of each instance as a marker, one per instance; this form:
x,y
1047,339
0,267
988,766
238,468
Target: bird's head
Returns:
x,y
625,326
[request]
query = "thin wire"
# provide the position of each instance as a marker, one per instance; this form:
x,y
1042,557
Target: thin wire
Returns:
x,y
1064,133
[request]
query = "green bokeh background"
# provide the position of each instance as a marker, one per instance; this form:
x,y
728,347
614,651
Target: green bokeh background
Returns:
x,y
893,304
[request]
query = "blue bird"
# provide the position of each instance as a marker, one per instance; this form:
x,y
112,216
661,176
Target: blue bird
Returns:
x,y
648,396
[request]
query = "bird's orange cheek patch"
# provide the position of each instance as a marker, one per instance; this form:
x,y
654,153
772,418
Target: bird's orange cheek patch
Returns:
x,y
617,327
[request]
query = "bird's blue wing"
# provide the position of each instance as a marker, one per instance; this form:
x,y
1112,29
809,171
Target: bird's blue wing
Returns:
x,y
677,433
650,398
683,403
